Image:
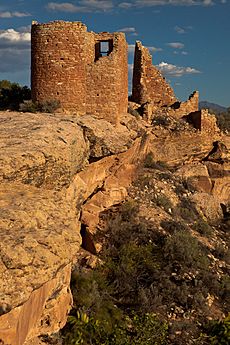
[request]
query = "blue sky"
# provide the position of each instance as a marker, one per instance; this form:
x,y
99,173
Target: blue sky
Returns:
x,y
189,39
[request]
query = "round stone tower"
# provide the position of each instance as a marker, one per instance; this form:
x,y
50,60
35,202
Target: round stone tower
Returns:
x,y
58,60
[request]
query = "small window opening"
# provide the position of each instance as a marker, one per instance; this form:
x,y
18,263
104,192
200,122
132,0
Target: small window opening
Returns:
x,y
103,48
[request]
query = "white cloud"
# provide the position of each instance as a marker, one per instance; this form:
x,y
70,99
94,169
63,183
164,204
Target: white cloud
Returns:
x,y
15,50
151,3
125,5
179,30
176,45
128,29
11,37
131,48
8,14
83,6
130,67
176,71
97,4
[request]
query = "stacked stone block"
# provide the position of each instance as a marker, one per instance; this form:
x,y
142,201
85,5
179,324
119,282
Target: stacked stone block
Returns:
x,y
148,83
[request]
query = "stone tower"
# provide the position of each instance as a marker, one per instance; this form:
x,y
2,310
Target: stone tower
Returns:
x,y
85,71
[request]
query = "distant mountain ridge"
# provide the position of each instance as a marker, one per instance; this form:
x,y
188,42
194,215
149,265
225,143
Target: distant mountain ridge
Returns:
x,y
215,107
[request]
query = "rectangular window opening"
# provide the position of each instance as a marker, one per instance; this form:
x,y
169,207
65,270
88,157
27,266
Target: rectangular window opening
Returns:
x,y
103,48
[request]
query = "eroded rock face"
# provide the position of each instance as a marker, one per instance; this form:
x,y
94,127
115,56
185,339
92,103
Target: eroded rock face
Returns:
x,y
40,149
104,139
39,230
40,218
58,171
39,238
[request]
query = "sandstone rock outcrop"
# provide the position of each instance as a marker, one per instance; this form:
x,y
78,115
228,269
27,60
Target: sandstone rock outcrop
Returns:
x,y
104,139
59,171
40,149
40,218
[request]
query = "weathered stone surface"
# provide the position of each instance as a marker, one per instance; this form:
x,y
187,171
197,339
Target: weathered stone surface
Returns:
x,y
220,177
148,83
39,237
180,109
44,312
40,149
69,64
219,154
196,174
209,206
203,121
104,139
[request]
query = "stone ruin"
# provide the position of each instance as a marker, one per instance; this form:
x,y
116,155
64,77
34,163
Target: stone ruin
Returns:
x,y
85,71
88,73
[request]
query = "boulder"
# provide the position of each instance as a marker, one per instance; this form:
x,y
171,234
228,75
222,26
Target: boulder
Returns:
x,y
40,149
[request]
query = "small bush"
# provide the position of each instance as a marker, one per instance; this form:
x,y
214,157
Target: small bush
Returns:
x,y
161,120
49,106
12,94
203,227
186,209
172,226
184,248
136,330
28,106
150,163
218,332
44,107
129,209
164,202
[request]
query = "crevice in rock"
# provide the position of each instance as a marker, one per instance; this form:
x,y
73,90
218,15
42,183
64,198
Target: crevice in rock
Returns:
x,y
87,240
96,190
94,159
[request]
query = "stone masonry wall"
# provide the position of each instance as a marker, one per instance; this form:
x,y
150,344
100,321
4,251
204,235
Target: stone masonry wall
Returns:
x,y
67,65
148,83
107,79
58,64
203,121
181,109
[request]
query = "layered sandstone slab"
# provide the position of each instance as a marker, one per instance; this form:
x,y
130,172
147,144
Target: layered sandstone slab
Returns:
x,y
39,230
40,149
39,238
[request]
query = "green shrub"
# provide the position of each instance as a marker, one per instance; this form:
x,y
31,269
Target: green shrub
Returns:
x,y
12,94
44,107
186,209
136,330
172,226
28,106
49,106
184,248
203,227
129,210
149,162
218,332
161,120
163,202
